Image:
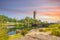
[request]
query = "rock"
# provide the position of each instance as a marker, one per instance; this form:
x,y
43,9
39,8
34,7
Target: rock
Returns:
x,y
36,35
39,36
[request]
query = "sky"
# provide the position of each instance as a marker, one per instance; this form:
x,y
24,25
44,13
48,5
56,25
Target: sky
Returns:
x,y
46,10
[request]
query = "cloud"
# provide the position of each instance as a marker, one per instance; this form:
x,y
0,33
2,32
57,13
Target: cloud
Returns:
x,y
49,13
18,12
47,7
55,0
48,10
13,10
48,18
42,10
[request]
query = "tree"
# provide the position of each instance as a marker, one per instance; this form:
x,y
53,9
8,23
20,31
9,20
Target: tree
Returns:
x,y
3,18
12,20
3,33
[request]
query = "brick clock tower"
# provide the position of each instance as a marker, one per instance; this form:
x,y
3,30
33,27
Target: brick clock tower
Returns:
x,y
34,15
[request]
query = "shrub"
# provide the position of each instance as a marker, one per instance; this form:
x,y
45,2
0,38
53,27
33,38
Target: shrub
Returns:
x,y
41,30
56,32
12,37
3,33
48,30
24,31
17,31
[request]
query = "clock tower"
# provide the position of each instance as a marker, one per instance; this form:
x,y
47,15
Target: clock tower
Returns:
x,y
34,15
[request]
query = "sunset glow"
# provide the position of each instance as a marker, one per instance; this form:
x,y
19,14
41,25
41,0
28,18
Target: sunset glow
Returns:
x,y
47,10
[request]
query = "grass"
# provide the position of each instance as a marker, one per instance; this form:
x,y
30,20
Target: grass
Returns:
x,y
11,37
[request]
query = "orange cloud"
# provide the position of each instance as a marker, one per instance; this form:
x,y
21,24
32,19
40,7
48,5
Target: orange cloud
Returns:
x,y
46,7
55,0
49,16
49,13
49,10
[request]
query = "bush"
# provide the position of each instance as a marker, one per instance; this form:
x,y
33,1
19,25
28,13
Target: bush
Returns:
x,y
56,32
3,33
17,31
54,29
24,31
48,30
42,30
12,37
